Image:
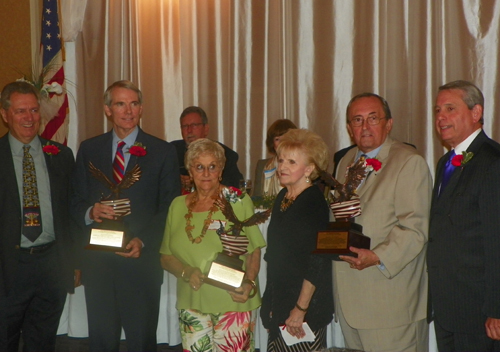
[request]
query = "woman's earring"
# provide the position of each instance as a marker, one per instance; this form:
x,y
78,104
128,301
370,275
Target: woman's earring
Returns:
x,y
308,180
220,178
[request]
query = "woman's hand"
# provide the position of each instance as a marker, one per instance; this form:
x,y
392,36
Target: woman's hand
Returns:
x,y
294,323
195,277
242,293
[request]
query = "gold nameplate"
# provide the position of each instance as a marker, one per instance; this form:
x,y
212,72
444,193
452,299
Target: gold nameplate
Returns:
x,y
226,275
107,240
332,240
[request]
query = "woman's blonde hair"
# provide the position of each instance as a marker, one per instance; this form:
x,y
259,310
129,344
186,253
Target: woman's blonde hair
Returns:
x,y
204,146
308,143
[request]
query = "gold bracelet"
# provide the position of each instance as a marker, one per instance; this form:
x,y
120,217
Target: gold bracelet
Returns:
x,y
253,291
300,308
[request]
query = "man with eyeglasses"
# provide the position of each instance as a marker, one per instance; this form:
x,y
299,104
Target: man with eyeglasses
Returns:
x,y
194,125
381,296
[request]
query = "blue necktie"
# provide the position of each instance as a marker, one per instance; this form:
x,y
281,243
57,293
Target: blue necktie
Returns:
x,y
448,171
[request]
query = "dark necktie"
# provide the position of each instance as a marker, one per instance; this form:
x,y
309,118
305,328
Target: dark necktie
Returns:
x,y
32,224
448,171
119,163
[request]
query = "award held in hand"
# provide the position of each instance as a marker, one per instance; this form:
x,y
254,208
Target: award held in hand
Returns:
x,y
226,271
344,232
110,235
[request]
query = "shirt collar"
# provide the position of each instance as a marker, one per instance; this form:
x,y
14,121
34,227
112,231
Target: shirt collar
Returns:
x,y
17,146
370,155
129,140
462,147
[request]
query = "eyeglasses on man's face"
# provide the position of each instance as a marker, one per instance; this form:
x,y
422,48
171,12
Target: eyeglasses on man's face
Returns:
x,y
192,125
372,120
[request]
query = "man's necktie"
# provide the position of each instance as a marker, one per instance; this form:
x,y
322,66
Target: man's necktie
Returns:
x,y
119,163
32,224
448,171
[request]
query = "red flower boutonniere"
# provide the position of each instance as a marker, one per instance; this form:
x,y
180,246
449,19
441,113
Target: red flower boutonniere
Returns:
x,y
375,164
461,160
137,149
232,194
50,149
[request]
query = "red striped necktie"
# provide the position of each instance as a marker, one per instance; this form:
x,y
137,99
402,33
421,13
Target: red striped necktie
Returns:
x,y
119,163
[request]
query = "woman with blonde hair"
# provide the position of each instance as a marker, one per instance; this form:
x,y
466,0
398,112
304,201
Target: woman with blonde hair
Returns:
x,y
299,284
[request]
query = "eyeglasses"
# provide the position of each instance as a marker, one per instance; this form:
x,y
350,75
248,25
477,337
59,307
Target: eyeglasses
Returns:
x,y
212,168
192,125
372,120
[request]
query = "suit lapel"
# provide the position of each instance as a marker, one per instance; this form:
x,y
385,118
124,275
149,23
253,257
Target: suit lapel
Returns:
x,y
104,159
474,147
9,171
133,158
372,176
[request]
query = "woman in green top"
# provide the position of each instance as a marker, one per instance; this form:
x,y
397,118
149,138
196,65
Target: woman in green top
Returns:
x,y
211,318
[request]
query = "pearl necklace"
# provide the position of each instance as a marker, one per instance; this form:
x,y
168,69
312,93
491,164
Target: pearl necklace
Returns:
x,y
206,222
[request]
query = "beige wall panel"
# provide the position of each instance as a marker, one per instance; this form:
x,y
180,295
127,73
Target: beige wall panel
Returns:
x,y
15,41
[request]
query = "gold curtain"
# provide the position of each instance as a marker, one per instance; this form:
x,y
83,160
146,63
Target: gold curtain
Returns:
x,y
248,63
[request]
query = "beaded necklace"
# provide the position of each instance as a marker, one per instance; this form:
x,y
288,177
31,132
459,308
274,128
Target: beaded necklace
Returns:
x,y
206,222
286,203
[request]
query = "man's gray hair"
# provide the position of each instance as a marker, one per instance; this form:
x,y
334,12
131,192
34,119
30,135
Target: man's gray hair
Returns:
x,y
471,96
121,84
17,87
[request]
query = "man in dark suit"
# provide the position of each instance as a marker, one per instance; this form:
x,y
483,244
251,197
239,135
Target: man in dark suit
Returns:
x,y
35,267
464,241
122,289
194,125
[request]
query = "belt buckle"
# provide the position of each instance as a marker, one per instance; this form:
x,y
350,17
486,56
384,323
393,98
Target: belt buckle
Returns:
x,y
32,250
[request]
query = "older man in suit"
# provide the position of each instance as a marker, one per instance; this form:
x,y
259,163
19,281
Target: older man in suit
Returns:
x,y
194,125
381,296
36,249
122,289
464,238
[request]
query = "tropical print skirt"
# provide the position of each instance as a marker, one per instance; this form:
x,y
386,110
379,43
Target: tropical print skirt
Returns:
x,y
222,332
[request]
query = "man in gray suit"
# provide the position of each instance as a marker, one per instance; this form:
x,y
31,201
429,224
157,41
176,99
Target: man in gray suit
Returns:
x,y
464,240
381,296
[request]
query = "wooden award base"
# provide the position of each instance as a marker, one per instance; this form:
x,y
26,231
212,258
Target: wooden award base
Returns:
x,y
225,272
339,237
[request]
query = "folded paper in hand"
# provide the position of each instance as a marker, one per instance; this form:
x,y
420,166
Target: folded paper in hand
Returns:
x,y
292,340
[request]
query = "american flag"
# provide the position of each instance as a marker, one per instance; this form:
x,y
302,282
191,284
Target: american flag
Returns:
x,y
52,59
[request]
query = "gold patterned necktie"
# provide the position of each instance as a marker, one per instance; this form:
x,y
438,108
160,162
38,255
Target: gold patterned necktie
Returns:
x,y
32,225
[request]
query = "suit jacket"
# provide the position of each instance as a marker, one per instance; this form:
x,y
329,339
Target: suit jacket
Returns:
x,y
395,210
60,168
231,175
150,199
464,241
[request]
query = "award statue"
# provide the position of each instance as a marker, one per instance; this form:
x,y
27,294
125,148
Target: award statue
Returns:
x,y
110,235
344,232
226,271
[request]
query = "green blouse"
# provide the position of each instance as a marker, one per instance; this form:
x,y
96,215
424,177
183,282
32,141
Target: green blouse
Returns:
x,y
208,299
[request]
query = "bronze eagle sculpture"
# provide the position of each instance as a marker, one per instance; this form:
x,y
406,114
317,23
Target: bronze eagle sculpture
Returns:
x,y
354,176
238,225
130,177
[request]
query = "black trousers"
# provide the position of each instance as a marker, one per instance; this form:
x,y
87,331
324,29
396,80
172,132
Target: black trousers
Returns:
x,y
33,305
449,341
117,302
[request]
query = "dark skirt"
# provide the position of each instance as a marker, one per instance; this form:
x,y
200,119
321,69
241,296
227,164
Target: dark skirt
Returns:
x,y
279,345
